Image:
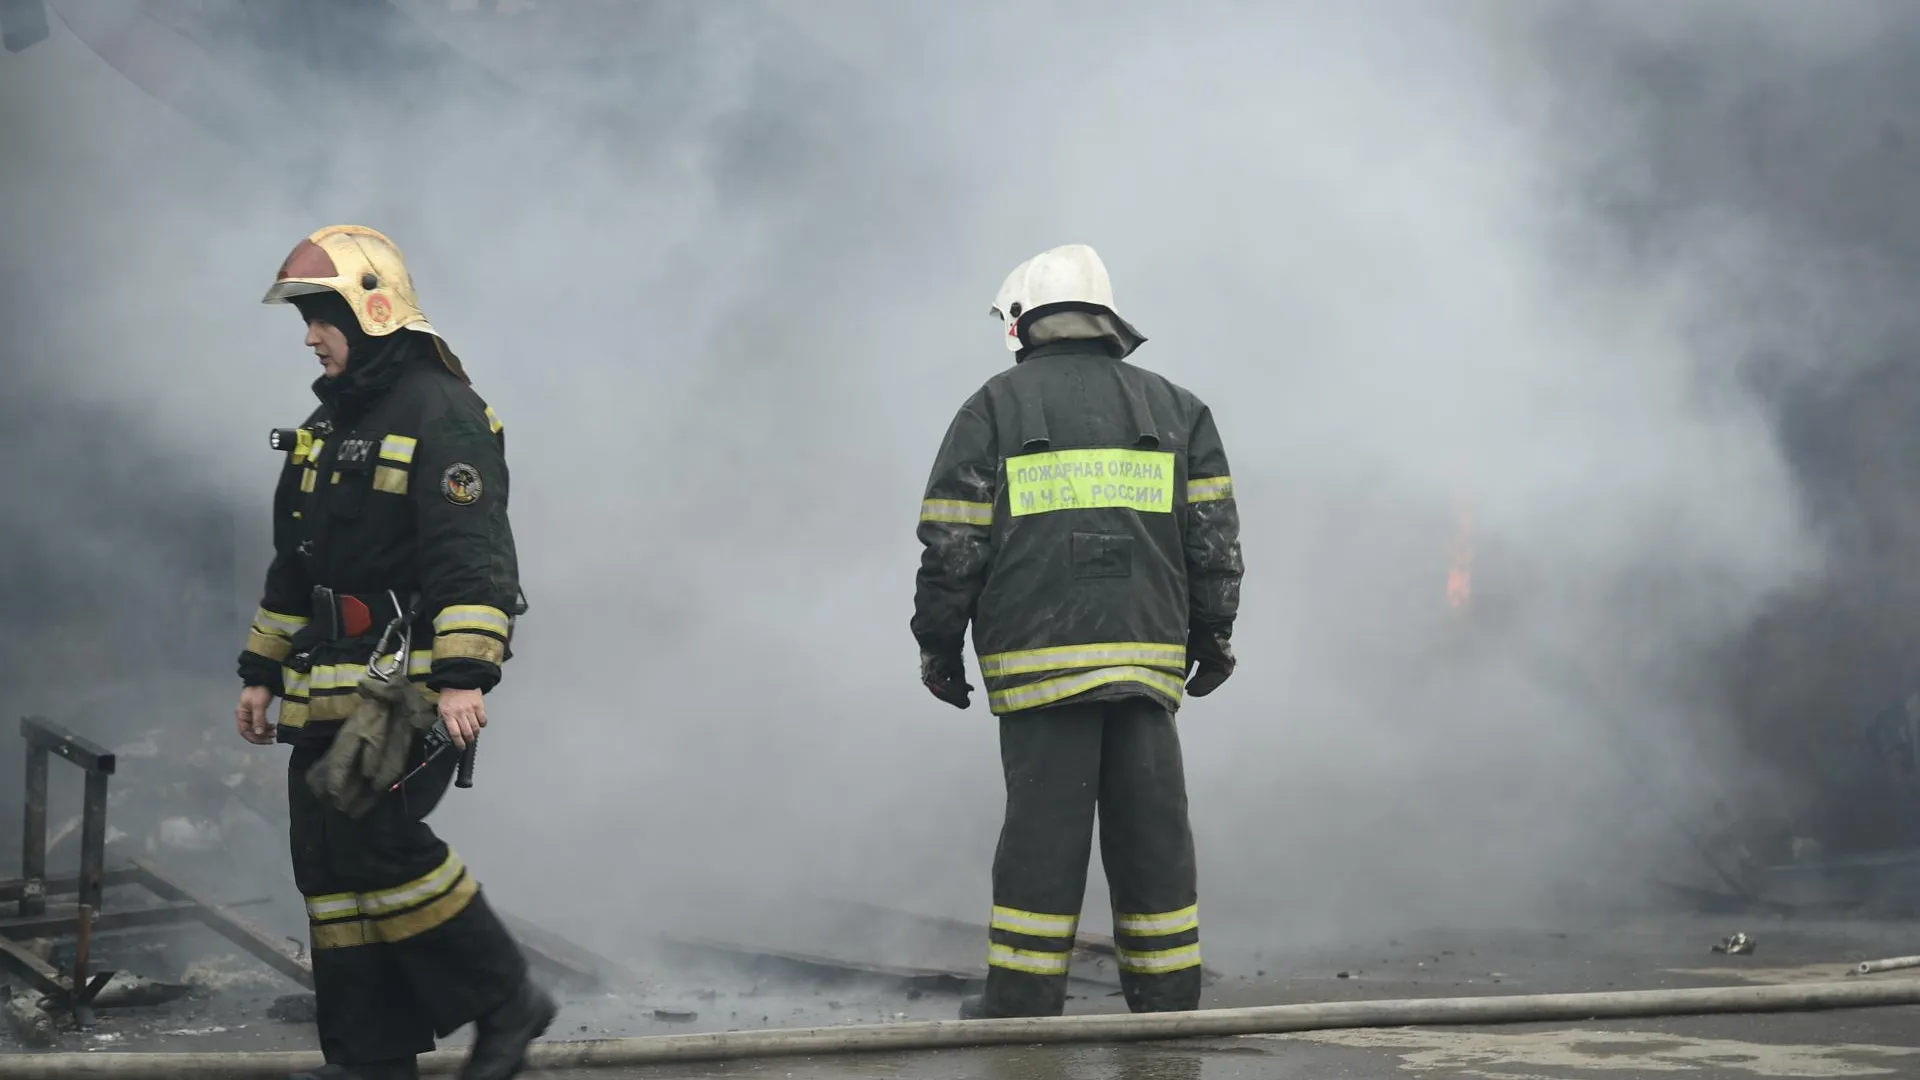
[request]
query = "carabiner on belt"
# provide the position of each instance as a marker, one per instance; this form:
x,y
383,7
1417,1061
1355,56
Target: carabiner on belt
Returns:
x,y
404,625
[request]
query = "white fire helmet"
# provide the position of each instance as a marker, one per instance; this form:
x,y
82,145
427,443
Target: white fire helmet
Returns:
x,y
1070,278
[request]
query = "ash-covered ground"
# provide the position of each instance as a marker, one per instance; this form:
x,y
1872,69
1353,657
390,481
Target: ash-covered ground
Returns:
x,y
232,1000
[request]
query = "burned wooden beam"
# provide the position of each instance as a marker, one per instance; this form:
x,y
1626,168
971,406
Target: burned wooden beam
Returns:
x,y
31,968
11,891
222,920
66,920
33,844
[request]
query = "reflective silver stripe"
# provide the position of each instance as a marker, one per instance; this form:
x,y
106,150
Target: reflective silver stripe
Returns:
x,y
398,448
414,892
1027,960
1048,691
956,512
335,676
1159,961
322,908
1034,923
293,683
1210,489
1093,654
346,676
1171,922
472,617
272,622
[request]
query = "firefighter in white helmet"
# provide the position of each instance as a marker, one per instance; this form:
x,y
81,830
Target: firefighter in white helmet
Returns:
x,y
1080,515
393,555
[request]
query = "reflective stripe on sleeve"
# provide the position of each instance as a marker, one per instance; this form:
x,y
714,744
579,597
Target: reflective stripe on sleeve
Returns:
x,y
272,622
493,421
472,617
271,646
294,714
1210,489
467,646
956,512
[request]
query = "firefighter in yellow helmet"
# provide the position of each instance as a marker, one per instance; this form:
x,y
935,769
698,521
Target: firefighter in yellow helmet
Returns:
x,y
393,573
1080,515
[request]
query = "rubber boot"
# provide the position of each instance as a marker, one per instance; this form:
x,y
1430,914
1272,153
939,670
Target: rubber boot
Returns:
x,y
501,1037
397,1069
973,1007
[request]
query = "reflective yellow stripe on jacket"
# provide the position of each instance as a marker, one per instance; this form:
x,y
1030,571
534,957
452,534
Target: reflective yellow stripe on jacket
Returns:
x,y
271,634
475,631
327,692
1071,670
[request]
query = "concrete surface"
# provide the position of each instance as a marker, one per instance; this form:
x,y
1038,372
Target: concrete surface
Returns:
x,y
1640,954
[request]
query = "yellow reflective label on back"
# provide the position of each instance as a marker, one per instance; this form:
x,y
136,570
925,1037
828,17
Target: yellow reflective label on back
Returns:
x,y
1139,480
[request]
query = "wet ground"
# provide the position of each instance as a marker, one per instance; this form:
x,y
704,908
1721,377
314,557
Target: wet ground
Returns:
x,y
1642,954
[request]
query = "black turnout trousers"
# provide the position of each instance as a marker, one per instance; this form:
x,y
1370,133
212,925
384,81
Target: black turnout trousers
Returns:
x,y
1120,758
404,945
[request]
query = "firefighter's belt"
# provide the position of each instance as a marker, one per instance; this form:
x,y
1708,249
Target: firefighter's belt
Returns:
x,y
370,751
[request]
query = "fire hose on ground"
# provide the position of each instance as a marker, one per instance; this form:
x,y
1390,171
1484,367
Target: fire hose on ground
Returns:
x,y
960,1034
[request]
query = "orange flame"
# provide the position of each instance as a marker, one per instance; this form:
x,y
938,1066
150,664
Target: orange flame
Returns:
x,y
1460,563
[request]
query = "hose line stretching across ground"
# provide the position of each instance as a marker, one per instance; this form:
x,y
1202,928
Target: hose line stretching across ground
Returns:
x,y
957,1034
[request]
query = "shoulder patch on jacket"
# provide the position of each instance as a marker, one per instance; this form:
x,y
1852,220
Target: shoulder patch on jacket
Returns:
x,y
461,485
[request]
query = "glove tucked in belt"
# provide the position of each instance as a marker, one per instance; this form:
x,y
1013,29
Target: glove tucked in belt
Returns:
x,y
370,751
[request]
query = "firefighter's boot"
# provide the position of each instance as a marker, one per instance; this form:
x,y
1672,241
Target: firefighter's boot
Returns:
x,y
501,1037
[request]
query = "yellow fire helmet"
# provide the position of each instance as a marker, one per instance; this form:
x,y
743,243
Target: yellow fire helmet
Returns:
x,y
365,269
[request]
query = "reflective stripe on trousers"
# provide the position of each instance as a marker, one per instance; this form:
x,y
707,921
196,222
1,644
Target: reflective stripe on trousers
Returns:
x,y
344,920
1045,941
1146,943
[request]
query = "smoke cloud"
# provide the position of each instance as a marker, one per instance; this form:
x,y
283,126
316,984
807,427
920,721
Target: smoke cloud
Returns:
x,y
724,272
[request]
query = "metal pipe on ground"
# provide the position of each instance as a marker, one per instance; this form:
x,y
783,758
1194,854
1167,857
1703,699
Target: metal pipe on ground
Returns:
x,y
1893,963
958,1034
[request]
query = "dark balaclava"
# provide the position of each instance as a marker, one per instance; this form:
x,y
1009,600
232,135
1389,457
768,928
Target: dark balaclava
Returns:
x,y
374,364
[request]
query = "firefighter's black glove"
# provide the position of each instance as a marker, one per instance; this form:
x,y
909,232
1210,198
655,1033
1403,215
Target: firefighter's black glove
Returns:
x,y
944,675
1213,663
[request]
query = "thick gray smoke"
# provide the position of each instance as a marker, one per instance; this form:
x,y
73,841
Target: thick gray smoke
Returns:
x,y
724,272
1768,152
